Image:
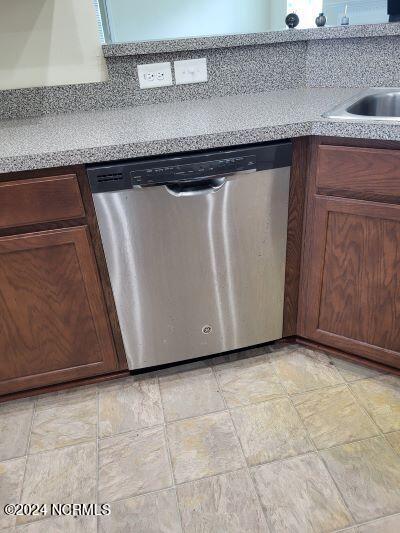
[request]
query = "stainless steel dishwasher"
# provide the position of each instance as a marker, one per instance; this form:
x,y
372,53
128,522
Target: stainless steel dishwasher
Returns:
x,y
195,246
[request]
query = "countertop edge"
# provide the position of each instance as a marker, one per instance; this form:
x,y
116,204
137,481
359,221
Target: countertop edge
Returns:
x,y
143,149
26,162
251,39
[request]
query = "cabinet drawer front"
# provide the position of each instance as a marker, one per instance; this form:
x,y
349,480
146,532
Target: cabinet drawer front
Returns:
x,y
364,173
39,200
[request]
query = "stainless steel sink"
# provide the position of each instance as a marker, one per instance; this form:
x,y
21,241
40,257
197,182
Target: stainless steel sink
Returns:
x,y
372,104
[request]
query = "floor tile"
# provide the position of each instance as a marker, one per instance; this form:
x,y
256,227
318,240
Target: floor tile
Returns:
x,y
15,425
332,417
241,355
269,431
11,476
352,371
390,524
129,404
191,393
203,446
150,513
64,419
133,463
60,476
222,503
248,381
394,439
301,370
61,524
298,495
368,475
381,398
63,397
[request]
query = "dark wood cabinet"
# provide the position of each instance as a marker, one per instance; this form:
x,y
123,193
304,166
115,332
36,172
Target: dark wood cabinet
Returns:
x,y
55,311
53,320
36,200
58,322
350,278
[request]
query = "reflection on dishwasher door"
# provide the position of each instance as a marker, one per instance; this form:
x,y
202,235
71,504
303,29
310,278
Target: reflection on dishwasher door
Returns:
x,y
196,247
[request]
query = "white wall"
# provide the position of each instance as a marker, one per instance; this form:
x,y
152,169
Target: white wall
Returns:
x,y
49,42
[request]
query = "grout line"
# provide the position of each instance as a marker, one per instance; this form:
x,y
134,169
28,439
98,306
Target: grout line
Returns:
x,y
97,455
334,446
385,435
24,526
181,483
357,525
225,409
257,496
380,434
220,389
365,411
87,440
28,444
170,422
322,389
294,407
169,454
133,430
285,460
359,404
26,461
316,449
228,410
375,520
141,494
338,489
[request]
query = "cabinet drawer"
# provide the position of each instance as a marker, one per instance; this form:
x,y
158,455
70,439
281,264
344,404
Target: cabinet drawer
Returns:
x,y
365,173
39,200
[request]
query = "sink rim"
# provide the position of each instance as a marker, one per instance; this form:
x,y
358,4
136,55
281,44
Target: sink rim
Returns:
x,y
340,112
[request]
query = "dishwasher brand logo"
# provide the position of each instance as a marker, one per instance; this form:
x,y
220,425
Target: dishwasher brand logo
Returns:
x,y
207,330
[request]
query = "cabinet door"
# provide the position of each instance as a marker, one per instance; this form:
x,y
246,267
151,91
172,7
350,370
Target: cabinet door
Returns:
x,y
53,321
350,293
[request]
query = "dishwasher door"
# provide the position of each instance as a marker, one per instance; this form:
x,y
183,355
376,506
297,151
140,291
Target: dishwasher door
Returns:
x,y
197,273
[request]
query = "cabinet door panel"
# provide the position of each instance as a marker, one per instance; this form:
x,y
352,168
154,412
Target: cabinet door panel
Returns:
x,y
53,322
353,270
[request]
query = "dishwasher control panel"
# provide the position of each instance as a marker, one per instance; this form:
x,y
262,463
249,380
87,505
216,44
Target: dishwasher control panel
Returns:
x,y
187,167
190,171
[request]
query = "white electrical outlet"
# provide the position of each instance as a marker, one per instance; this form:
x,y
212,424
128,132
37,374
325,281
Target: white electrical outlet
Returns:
x,y
154,75
191,71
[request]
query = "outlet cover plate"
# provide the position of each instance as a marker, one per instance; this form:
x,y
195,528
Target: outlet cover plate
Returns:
x,y
191,71
154,75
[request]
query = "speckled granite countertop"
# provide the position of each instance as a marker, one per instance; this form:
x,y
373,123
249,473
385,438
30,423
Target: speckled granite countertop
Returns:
x,y
251,39
106,135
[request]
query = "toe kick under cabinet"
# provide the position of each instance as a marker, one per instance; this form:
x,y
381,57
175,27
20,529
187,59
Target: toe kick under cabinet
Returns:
x,y
54,314
350,277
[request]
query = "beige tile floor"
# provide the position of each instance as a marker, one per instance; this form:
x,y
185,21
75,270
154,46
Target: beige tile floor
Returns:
x,y
276,439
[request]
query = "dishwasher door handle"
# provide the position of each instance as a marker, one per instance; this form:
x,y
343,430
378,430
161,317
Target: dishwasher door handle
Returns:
x,y
195,188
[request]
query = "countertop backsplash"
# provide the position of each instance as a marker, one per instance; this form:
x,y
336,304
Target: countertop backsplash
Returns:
x,y
340,62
